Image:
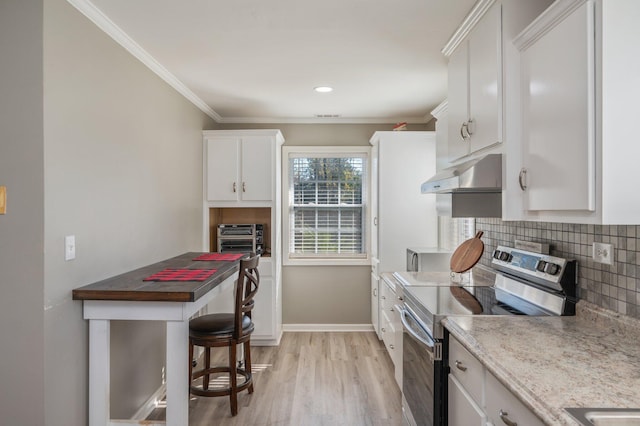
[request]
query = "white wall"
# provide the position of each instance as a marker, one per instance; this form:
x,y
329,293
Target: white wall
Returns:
x,y
21,229
95,145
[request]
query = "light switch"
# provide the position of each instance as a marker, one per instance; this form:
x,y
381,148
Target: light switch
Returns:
x,y
3,199
69,247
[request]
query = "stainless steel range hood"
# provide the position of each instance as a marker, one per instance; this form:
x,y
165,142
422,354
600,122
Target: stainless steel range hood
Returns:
x,y
469,189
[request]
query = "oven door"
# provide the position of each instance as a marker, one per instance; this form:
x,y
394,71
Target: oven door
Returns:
x,y
421,392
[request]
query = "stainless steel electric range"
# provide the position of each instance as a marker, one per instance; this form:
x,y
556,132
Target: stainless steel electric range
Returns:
x,y
519,282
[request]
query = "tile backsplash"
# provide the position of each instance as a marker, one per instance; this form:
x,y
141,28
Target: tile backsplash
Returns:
x,y
615,287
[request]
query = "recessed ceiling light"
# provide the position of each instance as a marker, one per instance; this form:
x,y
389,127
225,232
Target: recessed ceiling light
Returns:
x,y
323,89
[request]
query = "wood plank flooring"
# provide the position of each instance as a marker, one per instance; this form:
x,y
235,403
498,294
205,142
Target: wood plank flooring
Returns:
x,y
311,379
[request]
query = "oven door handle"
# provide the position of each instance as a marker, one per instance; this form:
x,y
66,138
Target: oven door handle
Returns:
x,y
426,340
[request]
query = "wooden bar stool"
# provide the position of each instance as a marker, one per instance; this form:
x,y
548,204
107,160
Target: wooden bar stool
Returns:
x,y
227,329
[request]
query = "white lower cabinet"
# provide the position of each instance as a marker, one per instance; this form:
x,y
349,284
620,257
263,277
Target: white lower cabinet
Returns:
x,y
264,314
375,309
476,397
503,407
391,326
463,410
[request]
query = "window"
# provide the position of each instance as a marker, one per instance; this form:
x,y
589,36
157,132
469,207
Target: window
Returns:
x,y
327,204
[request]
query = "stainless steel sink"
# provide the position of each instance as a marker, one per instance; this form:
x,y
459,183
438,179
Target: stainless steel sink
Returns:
x,y
606,416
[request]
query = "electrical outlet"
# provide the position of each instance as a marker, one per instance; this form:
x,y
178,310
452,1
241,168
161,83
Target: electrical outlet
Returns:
x,y
603,253
69,247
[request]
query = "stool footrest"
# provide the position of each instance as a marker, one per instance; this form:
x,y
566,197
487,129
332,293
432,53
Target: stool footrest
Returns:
x,y
248,381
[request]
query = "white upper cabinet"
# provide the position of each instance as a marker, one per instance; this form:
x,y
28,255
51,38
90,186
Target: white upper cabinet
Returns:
x,y
240,165
475,88
558,138
579,92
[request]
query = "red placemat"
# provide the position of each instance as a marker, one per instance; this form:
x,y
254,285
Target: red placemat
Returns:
x,y
220,256
181,275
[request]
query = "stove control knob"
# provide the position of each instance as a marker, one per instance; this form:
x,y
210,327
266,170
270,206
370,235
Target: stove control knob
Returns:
x,y
551,268
506,257
496,254
540,266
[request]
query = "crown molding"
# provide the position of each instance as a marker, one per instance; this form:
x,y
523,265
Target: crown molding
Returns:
x,y
320,120
95,15
475,14
551,17
440,109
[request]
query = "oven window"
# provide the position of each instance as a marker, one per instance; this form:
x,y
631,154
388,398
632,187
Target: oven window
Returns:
x,y
418,380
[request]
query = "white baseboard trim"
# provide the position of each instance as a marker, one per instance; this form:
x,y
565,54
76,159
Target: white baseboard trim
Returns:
x,y
150,404
328,327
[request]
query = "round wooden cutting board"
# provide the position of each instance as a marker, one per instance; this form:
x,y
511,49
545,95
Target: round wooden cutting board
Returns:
x,y
467,254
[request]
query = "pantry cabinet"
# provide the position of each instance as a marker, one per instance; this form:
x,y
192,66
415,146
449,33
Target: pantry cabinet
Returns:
x,y
242,184
476,397
475,88
240,165
579,91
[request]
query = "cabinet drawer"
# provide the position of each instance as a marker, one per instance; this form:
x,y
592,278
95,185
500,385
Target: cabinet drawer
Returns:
x,y
501,401
467,369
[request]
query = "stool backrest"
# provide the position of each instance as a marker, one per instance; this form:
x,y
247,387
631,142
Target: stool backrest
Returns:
x,y
246,289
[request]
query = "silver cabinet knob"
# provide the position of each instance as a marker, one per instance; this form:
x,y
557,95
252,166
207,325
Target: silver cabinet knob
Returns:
x,y
504,416
459,366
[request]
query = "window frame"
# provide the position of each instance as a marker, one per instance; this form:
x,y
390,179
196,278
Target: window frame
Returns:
x,y
287,200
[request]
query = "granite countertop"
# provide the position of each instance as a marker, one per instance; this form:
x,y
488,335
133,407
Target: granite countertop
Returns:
x,y
588,360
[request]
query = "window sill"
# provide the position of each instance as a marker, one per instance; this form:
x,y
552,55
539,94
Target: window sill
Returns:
x,y
326,262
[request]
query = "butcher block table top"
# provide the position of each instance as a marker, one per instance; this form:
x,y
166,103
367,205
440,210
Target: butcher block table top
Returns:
x,y
132,285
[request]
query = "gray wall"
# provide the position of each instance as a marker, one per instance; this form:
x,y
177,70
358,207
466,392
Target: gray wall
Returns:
x,y
21,229
93,144
326,294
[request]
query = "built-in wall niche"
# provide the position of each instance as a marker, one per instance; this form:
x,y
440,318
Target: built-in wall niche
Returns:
x,y
242,215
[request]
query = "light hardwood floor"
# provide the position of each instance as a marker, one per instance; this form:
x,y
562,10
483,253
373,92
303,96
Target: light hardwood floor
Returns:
x,y
312,379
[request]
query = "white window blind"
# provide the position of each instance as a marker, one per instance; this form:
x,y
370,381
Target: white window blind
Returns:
x,y
326,201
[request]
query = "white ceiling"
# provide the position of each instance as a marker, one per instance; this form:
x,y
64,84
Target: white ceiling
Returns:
x,y
259,60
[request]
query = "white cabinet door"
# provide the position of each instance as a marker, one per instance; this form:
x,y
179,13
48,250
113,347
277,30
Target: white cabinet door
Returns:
x,y
375,314
502,406
558,116
458,97
406,218
257,168
223,173
485,81
475,88
463,410
374,203
240,168
263,313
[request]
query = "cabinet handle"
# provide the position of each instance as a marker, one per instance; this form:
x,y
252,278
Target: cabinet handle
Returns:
x,y
522,179
391,309
391,346
234,187
375,221
469,128
400,298
459,366
383,330
244,187
383,298
464,138
375,292
504,416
